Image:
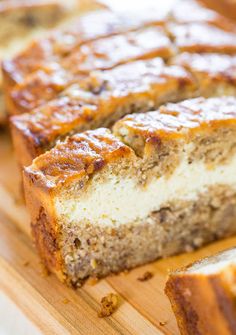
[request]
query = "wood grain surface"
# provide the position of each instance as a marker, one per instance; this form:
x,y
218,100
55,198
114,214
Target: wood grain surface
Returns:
x,y
56,309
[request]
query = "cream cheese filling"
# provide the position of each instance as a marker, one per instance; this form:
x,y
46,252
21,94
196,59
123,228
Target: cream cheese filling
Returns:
x,y
122,201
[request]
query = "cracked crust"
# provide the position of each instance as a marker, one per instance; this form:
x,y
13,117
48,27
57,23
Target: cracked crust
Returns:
x,y
193,289
100,100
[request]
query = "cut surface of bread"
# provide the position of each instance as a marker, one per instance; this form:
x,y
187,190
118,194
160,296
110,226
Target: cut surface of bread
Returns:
x,y
203,295
105,53
99,100
163,182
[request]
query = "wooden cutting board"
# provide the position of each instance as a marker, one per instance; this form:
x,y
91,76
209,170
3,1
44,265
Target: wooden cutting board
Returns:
x,y
56,309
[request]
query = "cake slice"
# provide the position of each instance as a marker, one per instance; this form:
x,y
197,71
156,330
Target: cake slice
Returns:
x,y
52,78
162,183
203,295
99,100
215,73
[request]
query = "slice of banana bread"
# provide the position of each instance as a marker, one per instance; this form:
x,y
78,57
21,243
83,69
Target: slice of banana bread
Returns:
x,y
99,100
203,295
162,183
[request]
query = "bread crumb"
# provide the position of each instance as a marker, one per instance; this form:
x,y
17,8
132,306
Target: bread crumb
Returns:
x,y
146,276
44,270
26,263
92,281
65,301
109,304
162,323
125,272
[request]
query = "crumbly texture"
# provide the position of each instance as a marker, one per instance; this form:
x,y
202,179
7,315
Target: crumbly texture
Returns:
x,y
109,304
207,285
95,55
100,100
76,248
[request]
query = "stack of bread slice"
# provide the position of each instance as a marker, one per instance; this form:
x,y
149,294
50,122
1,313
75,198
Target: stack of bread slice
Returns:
x,y
125,125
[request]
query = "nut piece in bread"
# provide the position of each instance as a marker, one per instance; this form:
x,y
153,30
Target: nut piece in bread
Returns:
x,y
99,100
203,295
162,183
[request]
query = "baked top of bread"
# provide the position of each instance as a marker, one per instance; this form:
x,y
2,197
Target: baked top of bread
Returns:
x,y
62,42
193,115
202,37
105,53
71,159
83,154
101,95
190,11
219,66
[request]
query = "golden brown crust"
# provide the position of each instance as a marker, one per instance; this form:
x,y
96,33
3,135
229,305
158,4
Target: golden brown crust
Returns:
x,y
180,120
53,78
79,156
62,42
204,303
202,37
100,100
